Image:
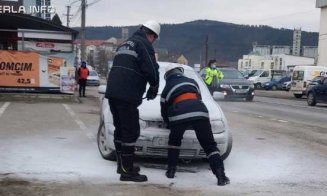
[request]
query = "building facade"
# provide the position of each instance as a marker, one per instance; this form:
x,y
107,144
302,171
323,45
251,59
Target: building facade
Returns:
x,y
297,34
278,62
33,7
322,46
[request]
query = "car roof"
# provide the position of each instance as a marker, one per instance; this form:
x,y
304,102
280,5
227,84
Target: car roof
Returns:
x,y
163,65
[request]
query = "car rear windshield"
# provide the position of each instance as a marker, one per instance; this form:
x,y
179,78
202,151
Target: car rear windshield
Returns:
x,y
232,74
298,75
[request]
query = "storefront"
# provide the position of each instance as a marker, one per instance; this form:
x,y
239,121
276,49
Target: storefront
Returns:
x,y
36,55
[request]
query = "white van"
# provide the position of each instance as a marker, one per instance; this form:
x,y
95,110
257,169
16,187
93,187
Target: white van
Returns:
x,y
260,76
302,75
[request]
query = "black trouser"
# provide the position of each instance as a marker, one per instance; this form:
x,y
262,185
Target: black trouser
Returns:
x,y
82,85
126,121
204,134
211,89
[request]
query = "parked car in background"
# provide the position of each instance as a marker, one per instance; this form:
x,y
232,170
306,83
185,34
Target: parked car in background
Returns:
x,y
259,77
234,85
93,79
287,86
276,83
302,76
317,93
153,140
314,81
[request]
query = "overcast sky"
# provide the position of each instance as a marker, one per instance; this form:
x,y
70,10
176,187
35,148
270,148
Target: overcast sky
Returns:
x,y
277,13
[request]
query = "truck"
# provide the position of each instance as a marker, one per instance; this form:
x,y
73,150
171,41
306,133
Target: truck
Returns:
x,y
261,76
301,77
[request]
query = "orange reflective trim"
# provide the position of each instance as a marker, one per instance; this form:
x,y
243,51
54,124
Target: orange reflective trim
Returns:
x,y
185,96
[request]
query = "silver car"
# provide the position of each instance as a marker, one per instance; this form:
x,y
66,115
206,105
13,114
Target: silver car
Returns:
x,y
153,140
93,79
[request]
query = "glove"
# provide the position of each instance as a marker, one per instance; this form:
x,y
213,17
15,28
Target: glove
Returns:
x,y
152,92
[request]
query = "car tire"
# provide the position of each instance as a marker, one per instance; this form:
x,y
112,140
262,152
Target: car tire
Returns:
x,y
229,147
311,99
257,86
249,98
104,150
298,96
274,87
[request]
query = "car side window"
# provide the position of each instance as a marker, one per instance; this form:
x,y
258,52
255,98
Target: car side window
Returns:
x,y
265,74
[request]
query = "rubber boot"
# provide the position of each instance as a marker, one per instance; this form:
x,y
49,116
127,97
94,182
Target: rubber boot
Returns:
x,y
173,155
222,178
136,169
127,161
118,158
217,167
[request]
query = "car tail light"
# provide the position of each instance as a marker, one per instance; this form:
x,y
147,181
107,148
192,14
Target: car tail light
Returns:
x,y
304,84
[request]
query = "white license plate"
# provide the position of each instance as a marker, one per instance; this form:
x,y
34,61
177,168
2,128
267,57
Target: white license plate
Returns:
x,y
241,91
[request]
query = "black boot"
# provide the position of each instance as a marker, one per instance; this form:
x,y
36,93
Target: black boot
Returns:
x,y
136,169
118,159
217,167
222,178
173,155
127,161
170,173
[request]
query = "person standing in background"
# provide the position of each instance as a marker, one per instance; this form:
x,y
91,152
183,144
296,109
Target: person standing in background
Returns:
x,y
83,72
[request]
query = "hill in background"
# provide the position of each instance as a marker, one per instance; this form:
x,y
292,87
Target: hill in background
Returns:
x,y
227,42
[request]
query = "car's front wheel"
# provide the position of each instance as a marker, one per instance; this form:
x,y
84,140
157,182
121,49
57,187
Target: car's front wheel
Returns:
x,y
229,147
103,147
249,98
311,99
274,87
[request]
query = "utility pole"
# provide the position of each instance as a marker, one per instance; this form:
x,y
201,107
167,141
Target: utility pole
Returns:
x,y
215,53
68,15
83,48
206,51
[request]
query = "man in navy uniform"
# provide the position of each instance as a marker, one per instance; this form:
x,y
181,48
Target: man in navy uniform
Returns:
x,y
182,107
133,67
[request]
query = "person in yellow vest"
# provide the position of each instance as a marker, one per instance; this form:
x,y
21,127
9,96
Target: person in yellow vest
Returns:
x,y
212,76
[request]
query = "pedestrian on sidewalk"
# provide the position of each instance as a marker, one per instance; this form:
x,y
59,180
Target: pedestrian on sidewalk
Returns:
x,y
83,72
182,107
133,67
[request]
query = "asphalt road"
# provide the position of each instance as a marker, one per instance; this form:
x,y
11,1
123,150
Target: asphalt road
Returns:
x,y
280,148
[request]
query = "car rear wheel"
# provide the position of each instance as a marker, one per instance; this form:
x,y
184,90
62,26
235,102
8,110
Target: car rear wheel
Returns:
x,y
103,147
311,99
257,86
298,96
229,147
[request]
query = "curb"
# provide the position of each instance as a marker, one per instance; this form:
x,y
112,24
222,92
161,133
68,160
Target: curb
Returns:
x,y
274,94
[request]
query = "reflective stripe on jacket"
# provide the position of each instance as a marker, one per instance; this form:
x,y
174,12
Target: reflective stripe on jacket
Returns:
x,y
184,110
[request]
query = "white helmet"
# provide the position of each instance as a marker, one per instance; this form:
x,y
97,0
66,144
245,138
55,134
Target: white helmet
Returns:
x,y
153,26
171,67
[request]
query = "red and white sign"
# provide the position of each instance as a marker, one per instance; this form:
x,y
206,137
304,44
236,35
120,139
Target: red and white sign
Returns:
x,y
44,46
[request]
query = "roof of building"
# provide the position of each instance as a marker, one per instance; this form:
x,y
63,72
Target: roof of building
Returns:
x,y
16,21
